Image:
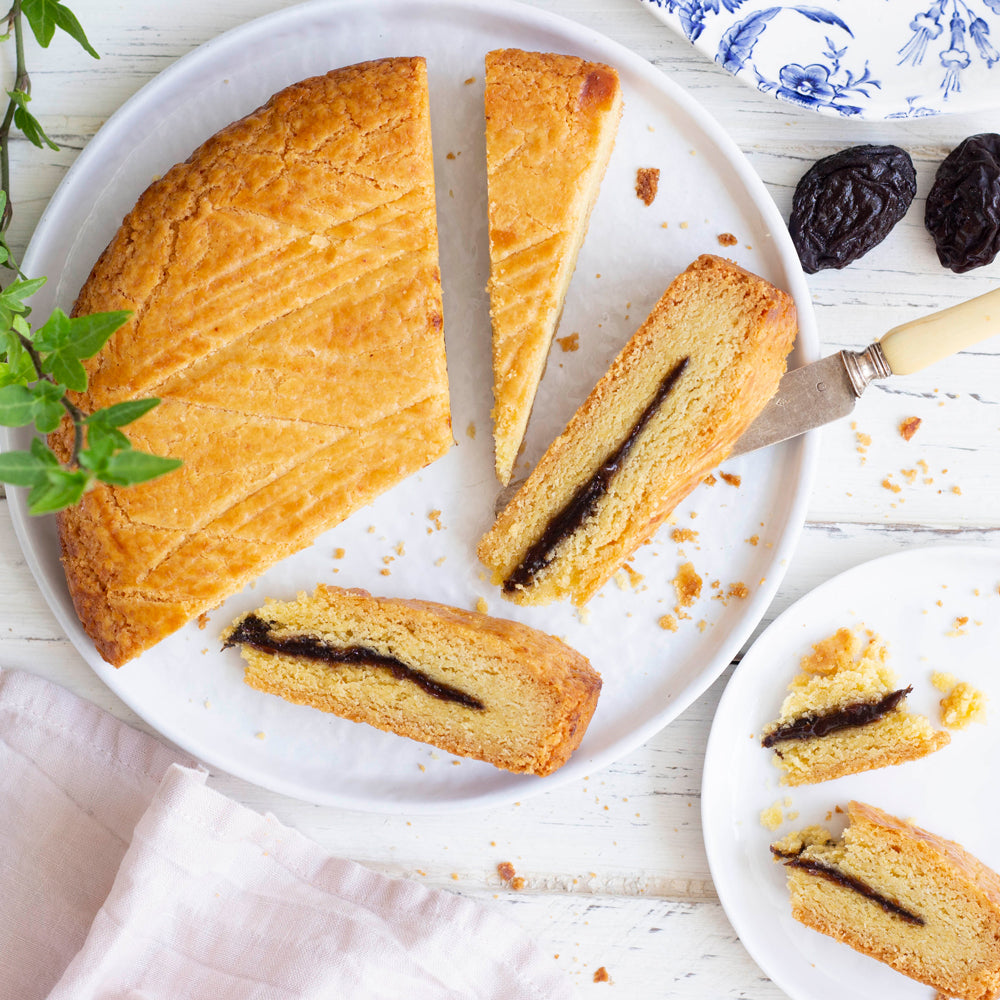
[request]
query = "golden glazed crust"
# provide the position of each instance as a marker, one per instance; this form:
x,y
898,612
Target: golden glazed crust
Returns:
x,y
537,694
735,329
551,122
287,310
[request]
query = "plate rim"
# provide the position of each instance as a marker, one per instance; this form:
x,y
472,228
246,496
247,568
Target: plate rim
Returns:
x,y
806,447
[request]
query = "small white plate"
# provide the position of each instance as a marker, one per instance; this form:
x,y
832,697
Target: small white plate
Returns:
x,y
912,599
190,690
852,58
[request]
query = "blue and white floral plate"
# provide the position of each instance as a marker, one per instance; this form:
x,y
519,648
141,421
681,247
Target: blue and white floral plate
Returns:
x,y
873,59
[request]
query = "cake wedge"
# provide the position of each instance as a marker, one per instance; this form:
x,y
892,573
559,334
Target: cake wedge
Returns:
x,y
909,898
551,122
684,388
470,684
845,712
287,312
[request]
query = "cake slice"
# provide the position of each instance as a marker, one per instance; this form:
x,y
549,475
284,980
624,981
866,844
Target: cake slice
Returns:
x,y
470,684
920,903
287,311
669,409
845,713
551,122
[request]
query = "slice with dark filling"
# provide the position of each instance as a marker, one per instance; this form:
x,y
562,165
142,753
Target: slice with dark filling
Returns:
x,y
675,400
845,713
909,898
473,685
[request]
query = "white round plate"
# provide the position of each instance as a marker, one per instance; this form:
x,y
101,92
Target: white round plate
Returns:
x,y
853,58
190,690
915,601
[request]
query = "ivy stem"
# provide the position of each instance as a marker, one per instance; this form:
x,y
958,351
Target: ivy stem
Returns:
x,y
75,413
22,83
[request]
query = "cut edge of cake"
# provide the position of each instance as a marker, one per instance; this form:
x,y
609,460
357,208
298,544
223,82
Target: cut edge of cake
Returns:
x,y
909,898
671,369
468,683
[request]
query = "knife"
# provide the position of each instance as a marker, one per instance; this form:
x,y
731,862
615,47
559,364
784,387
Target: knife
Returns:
x,y
827,390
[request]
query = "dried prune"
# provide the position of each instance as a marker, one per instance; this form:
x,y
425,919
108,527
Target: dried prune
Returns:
x,y
846,203
963,206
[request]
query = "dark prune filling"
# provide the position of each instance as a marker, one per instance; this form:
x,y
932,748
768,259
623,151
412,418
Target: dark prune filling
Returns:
x,y
858,713
585,501
257,633
834,874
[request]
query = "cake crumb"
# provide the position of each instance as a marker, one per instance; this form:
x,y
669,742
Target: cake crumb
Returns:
x,y
958,626
680,535
647,181
371,529
601,975
727,240
962,705
440,561
731,478
668,623
203,619
469,80
687,584
481,606
889,485
260,736
400,548
507,873
471,430
957,490
702,625
385,572
569,343
909,475
739,590
339,553
772,817
943,681
834,653
710,480
434,517
909,427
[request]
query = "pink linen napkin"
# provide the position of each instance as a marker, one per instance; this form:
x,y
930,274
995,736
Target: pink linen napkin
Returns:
x,y
123,876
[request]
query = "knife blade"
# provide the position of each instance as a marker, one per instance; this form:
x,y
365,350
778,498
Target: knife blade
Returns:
x,y
807,398
826,390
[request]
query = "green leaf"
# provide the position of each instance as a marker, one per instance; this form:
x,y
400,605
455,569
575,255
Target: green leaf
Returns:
x,y
120,414
16,292
130,467
62,488
27,122
17,406
83,336
22,468
44,453
45,16
49,409
64,341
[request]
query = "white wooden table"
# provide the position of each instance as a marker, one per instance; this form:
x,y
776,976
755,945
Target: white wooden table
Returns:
x,y
614,868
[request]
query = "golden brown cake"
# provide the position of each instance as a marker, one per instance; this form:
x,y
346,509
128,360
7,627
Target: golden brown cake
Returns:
x,y
551,122
845,713
673,403
287,310
470,684
920,903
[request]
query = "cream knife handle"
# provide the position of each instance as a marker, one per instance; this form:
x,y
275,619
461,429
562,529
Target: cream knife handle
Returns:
x,y
921,342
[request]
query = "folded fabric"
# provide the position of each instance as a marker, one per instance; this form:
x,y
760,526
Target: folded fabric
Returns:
x,y
153,885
